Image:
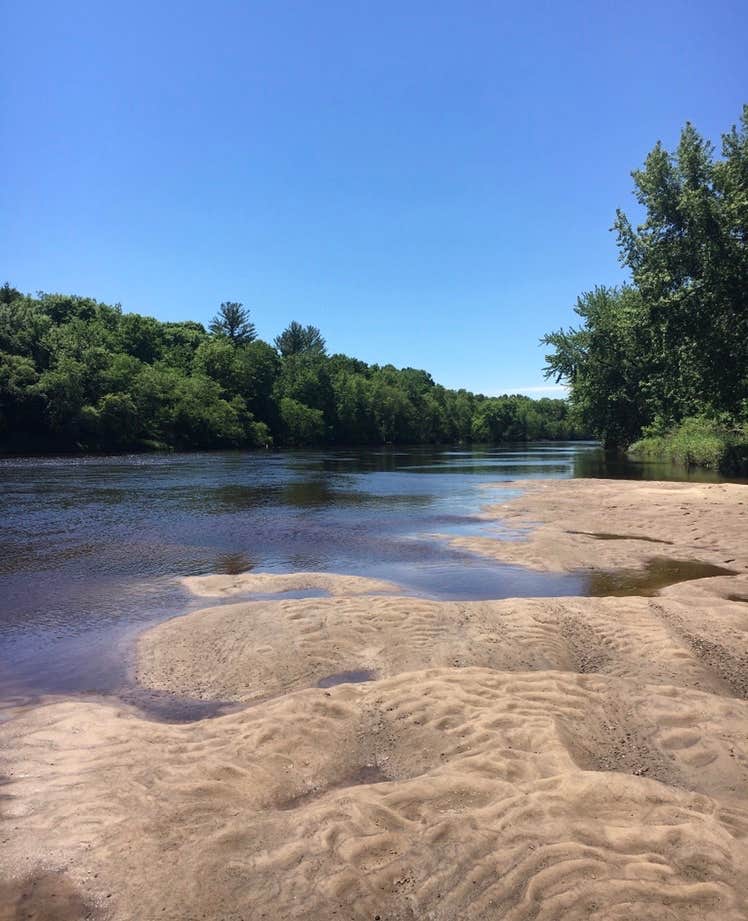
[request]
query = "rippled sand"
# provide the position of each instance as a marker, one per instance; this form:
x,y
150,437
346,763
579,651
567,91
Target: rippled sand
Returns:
x,y
567,758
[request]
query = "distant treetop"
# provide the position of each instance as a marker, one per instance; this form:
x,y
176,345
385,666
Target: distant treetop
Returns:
x,y
232,320
297,340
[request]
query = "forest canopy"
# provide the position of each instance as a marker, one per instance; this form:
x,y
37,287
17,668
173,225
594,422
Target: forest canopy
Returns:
x,y
79,375
665,356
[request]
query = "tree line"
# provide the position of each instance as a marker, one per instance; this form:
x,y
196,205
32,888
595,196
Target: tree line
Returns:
x,y
79,375
662,361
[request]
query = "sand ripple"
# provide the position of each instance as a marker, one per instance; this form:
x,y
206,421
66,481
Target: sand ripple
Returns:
x,y
530,795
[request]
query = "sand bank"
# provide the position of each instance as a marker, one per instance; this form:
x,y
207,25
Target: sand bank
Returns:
x,y
253,651
572,525
545,759
219,586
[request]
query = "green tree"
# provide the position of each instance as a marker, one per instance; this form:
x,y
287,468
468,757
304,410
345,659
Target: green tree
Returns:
x,y
353,422
118,420
674,343
141,337
394,415
689,262
302,424
24,327
493,420
248,371
608,362
76,374
304,377
232,320
21,408
8,294
63,391
181,341
300,340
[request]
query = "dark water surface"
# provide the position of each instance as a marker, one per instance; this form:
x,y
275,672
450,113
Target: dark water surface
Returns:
x,y
91,549
354,677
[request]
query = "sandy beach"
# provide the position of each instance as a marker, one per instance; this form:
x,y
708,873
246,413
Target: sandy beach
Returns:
x,y
400,759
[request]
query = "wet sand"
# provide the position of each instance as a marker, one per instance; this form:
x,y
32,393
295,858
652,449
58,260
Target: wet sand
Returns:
x,y
554,758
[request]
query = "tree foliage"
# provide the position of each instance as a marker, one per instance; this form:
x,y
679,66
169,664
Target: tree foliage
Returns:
x,y
76,374
672,344
300,340
232,321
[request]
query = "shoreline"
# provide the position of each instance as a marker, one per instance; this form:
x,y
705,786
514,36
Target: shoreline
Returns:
x,y
626,523
525,758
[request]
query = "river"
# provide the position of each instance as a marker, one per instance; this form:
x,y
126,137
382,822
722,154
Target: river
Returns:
x,y
92,548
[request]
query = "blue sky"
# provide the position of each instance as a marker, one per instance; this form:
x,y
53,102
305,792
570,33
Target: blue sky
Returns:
x,y
430,183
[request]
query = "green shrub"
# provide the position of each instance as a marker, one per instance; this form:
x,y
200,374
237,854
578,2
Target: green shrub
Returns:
x,y
697,442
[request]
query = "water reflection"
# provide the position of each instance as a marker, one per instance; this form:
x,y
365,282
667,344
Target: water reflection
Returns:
x,y
611,464
356,676
658,573
232,564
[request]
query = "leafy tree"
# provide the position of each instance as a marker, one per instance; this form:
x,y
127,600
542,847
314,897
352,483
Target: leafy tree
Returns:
x,y
217,359
261,369
353,422
394,415
199,417
120,372
300,340
302,424
492,420
304,377
62,389
248,371
61,308
339,363
673,344
232,320
76,374
24,326
460,407
181,341
9,294
689,261
119,423
20,405
141,337
607,361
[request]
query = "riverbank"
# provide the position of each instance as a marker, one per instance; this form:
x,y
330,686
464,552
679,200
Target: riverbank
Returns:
x,y
698,442
594,525
536,758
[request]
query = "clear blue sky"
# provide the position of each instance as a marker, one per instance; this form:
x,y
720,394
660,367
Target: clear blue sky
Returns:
x,y
431,183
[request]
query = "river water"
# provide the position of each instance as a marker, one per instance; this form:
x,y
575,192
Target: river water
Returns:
x,y
92,549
